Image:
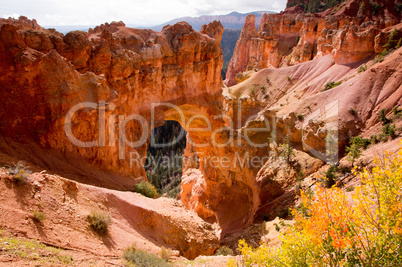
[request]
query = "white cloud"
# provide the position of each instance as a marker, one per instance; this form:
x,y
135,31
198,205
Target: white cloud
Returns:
x,y
14,15
136,12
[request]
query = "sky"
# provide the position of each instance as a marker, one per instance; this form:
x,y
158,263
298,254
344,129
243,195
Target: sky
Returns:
x,y
131,12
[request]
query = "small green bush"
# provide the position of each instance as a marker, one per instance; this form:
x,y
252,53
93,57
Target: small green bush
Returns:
x,y
287,150
383,137
330,176
393,38
398,8
224,251
374,139
383,117
389,130
396,110
21,177
384,52
147,189
300,117
141,258
353,111
399,44
350,189
378,59
301,176
19,173
354,152
362,7
362,68
330,85
375,8
99,221
361,142
343,169
38,216
289,79
356,144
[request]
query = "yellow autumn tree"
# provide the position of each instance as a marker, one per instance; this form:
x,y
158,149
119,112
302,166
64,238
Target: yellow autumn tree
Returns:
x,y
334,228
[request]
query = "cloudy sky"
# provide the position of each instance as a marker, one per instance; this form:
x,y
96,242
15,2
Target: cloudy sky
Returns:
x,y
134,12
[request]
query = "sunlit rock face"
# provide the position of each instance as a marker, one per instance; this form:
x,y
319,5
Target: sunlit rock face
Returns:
x,y
86,104
122,71
293,37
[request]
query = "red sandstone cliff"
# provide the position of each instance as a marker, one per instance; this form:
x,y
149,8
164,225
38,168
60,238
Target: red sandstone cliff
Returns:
x,y
44,73
348,31
239,62
119,72
322,48
22,23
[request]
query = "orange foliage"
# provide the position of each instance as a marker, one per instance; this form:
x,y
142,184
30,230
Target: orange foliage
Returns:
x,y
335,228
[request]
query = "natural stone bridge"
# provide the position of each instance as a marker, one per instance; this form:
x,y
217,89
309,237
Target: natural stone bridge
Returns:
x,y
85,104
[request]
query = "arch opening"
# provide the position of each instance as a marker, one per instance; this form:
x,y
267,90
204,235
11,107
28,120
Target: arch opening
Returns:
x,y
164,163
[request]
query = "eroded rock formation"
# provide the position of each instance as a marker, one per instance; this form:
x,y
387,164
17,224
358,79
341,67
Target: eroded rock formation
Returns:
x,y
239,62
77,103
349,31
318,123
119,72
127,69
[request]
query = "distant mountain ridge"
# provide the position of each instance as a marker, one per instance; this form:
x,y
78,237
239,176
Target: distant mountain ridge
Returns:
x,y
233,20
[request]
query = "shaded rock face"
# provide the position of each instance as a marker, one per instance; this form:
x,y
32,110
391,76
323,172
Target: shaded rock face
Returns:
x,y
289,38
239,63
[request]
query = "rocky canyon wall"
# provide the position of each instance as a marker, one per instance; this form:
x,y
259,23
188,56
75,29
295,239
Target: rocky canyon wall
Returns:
x,y
117,70
79,103
348,31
